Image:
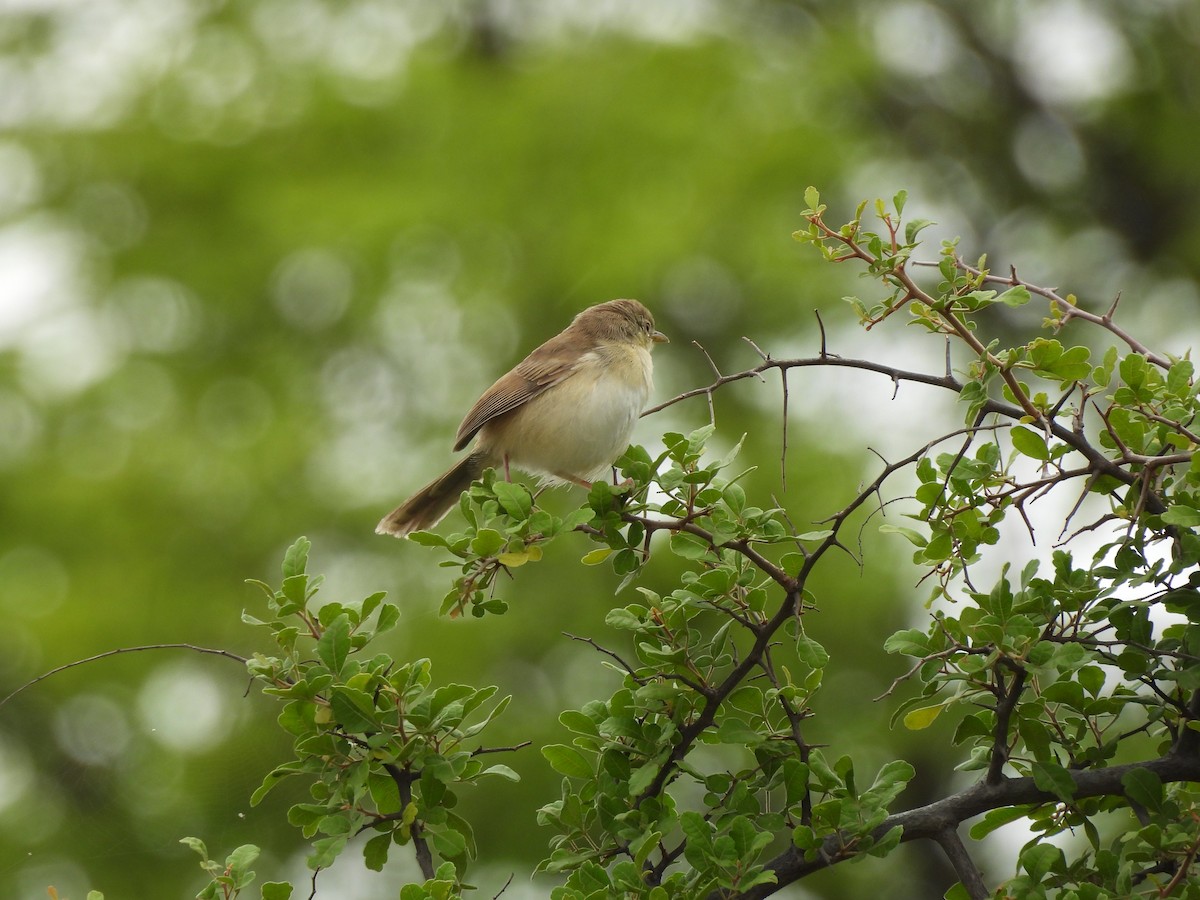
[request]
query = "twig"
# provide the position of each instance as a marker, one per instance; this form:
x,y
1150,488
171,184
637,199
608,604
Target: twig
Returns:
x,y
968,873
1006,702
1070,311
404,779
79,662
826,360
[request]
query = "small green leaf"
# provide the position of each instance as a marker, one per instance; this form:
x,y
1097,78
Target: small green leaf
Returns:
x,y
688,546
514,499
922,717
910,642
384,792
1017,295
428,539
1039,859
622,618
503,771
375,851
1054,779
597,556
296,558
353,710
1183,516
242,857
1030,443
1144,787
389,615
997,818
567,761
196,844
487,542
914,537
334,645
276,890
810,652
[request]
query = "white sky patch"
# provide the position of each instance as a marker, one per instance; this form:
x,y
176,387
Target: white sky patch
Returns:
x,y
184,708
41,273
901,27
1068,53
92,729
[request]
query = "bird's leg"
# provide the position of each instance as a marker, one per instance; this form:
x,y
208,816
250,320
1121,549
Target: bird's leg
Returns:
x,y
507,474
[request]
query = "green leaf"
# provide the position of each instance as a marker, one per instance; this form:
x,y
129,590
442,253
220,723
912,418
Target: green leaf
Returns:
x,y
1179,378
1144,787
196,844
735,731
597,556
578,722
910,642
487,542
353,710
334,645
389,615
384,792
1054,779
1018,295
447,841
296,558
276,890
812,197
242,857
514,499
503,771
622,618
1030,443
568,761
810,652
641,777
914,537
375,851
1039,859
997,818
687,546
814,535
922,717
273,778
428,539
893,777
1181,515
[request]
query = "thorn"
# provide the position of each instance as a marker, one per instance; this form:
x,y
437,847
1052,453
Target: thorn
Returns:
x,y
821,326
1108,316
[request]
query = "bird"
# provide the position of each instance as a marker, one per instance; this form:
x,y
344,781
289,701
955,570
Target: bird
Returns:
x,y
564,413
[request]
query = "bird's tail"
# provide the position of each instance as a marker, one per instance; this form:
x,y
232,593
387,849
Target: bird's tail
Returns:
x,y
429,505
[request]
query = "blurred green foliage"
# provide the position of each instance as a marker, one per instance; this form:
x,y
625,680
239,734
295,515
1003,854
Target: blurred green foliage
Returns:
x,y
240,244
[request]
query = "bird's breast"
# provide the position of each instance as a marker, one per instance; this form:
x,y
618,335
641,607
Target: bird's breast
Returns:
x,y
579,426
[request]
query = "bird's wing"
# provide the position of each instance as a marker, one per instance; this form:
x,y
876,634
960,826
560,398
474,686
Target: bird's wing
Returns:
x,y
545,367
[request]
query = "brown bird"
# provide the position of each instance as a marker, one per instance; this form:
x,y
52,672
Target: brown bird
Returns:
x,y
565,412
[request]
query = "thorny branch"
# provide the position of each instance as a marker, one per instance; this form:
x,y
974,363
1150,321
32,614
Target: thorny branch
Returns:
x,y
927,822
939,821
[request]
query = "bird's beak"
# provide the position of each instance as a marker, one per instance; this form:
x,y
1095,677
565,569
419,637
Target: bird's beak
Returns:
x,y
659,338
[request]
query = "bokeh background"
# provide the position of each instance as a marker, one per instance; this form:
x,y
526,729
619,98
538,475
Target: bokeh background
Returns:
x,y
258,256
